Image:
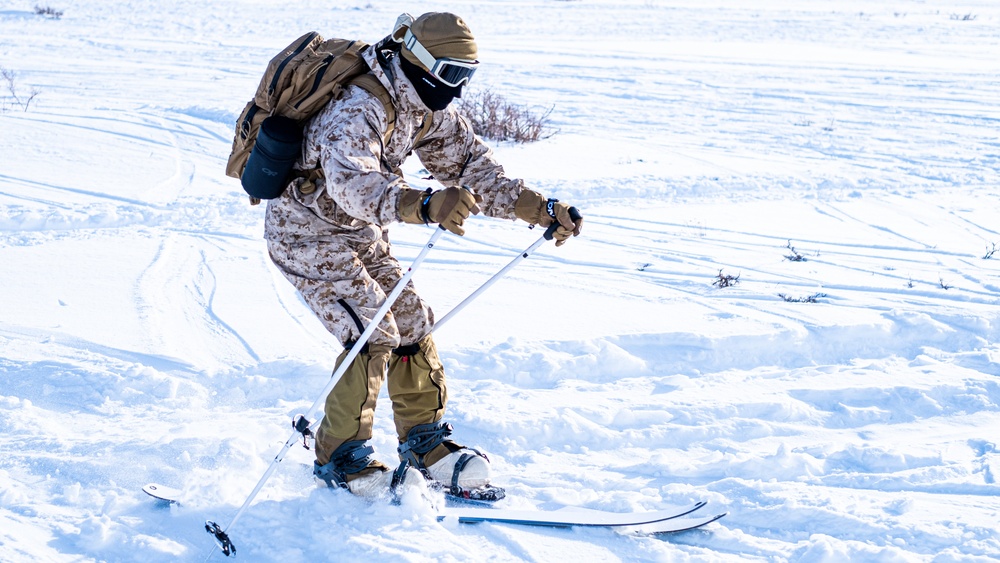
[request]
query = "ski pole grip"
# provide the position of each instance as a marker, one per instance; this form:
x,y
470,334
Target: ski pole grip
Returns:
x,y
574,215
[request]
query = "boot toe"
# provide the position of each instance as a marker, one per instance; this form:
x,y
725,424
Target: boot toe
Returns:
x,y
413,484
371,485
475,474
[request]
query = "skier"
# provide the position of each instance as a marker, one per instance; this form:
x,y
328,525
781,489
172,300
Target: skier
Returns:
x,y
329,237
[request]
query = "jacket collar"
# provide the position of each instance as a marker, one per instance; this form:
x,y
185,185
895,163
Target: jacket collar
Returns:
x,y
403,93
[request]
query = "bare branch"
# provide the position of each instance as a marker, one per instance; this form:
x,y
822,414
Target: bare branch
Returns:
x,y
794,256
726,280
495,118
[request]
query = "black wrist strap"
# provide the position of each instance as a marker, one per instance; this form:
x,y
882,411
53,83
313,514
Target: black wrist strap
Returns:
x,y
550,207
424,205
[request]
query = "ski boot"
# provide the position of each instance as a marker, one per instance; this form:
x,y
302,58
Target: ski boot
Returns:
x,y
351,467
463,473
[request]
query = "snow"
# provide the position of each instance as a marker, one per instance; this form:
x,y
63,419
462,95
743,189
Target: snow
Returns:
x,y
145,336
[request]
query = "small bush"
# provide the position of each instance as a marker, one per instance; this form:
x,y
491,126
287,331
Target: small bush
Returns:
x,y
990,252
808,299
493,117
794,256
9,79
726,280
48,12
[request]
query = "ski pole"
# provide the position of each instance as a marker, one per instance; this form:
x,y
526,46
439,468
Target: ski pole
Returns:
x,y
312,426
222,534
549,233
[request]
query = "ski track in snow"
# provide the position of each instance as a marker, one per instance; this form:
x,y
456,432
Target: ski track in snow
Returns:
x,y
145,336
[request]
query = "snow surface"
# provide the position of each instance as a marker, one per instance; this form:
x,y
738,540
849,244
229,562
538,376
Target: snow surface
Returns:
x,y
144,335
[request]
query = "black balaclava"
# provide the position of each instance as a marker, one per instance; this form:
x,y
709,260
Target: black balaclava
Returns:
x,y
435,94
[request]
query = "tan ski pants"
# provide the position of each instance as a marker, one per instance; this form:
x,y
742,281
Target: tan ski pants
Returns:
x,y
347,277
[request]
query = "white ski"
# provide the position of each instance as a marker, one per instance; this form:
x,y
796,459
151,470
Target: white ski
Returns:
x,y
164,493
674,519
570,516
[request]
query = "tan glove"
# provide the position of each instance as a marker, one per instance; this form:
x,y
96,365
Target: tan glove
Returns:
x,y
450,207
533,208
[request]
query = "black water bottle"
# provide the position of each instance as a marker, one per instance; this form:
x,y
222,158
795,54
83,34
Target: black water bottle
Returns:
x,y
279,144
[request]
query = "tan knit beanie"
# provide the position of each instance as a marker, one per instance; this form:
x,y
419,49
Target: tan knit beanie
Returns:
x,y
444,35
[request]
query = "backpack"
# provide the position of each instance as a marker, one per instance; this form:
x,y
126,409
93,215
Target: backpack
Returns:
x,y
298,83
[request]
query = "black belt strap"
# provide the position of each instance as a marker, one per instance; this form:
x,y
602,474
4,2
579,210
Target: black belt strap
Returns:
x,y
408,350
357,321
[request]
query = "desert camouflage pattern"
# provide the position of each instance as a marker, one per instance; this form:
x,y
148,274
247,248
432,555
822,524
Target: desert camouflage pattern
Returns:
x,y
330,239
332,242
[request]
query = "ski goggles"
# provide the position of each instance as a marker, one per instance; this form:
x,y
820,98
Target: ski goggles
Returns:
x,y
452,72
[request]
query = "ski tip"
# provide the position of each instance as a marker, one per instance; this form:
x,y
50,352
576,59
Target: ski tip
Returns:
x,y
716,518
698,523
151,489
668,527
692,508
719,516
162,493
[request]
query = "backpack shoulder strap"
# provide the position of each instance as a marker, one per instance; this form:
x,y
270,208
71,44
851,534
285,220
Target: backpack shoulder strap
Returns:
x,y
368,82
424,128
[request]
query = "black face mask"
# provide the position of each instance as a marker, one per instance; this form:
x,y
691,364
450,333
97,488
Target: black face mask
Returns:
x,y
435,94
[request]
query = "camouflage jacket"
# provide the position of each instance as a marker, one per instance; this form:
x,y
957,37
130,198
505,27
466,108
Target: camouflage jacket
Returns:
x,y
362,181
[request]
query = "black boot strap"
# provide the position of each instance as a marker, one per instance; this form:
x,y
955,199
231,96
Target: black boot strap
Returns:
x,y
398,476
463,460
423,438
350,457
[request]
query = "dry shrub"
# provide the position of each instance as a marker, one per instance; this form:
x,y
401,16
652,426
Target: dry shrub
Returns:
x,y
493,117
9,79
814,298
726,280
48,12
